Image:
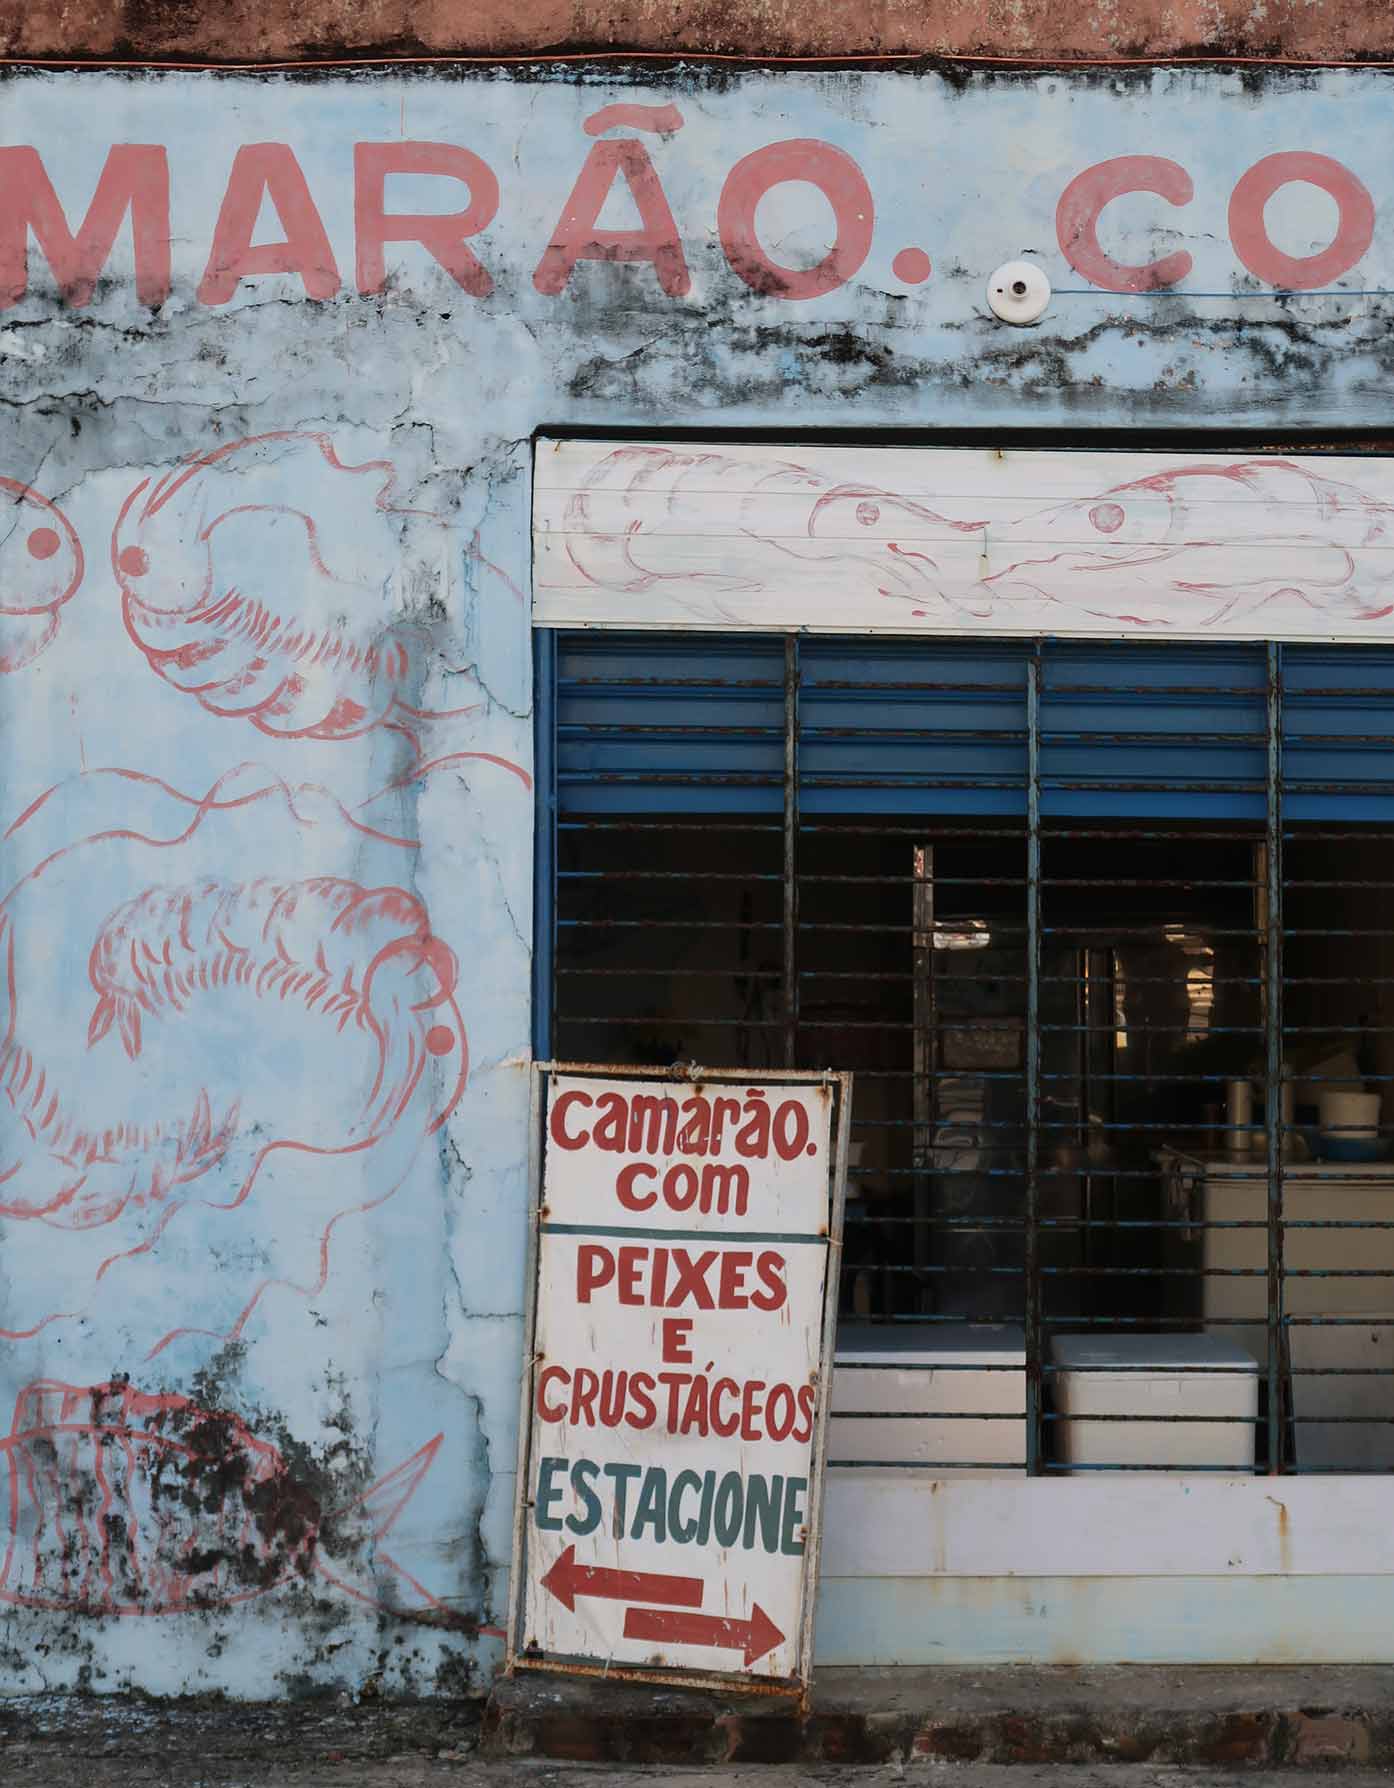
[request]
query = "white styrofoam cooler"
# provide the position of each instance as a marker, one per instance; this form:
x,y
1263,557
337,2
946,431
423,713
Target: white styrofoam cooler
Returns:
x,y
1159,1376
1361,1435
962,1387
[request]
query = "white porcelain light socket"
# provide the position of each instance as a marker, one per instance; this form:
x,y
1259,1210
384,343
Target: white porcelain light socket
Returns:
x,y
1018,292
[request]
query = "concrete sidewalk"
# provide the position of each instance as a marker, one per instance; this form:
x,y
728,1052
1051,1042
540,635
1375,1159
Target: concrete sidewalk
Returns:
x,y
862,1726
1124,1714
409,1772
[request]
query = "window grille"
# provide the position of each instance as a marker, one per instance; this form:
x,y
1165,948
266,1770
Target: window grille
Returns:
x,y
1105,934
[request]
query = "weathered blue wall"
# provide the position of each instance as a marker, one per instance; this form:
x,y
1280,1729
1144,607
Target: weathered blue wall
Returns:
x,y
267,873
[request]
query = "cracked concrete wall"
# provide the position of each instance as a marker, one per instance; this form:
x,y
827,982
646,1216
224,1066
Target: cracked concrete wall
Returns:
x,y
266,873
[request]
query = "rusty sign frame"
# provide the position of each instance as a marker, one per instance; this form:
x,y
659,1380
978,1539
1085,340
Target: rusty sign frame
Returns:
x,y
691,1074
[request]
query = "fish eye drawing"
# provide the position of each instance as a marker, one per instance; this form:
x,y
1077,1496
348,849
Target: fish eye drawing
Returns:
x,y
41,566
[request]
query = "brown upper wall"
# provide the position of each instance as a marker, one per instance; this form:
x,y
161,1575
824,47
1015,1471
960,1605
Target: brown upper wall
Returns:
x,y
1040,30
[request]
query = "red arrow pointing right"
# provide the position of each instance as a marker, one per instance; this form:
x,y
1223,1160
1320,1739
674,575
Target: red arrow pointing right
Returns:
x,y
567,1580
671,1626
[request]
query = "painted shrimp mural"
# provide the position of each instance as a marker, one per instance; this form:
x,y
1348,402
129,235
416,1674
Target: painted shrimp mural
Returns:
x,y
127,1502
41,566
705,531
275,583
176,1027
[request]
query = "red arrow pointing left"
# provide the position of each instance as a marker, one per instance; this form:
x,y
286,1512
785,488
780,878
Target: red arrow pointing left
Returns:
x,y
567,1580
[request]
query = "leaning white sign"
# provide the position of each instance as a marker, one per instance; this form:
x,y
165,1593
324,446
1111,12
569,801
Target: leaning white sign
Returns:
x,y
675,1392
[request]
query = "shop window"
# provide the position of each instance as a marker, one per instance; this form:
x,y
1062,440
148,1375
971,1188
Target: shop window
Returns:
x,y
1105,934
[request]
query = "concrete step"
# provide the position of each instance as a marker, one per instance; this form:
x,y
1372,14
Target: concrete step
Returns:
x,y
1197,1715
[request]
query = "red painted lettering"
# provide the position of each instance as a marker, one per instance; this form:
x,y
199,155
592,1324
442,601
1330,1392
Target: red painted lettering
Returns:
x,y
1355,226
653,1124
441,234
578,236
611,1127
595,1267
557,1126
677,1340
674,1383
779,1411
725,1188
551,1412
631,1265
722,1109
692,1278
644,1412
732,1293
790,1130
752,1398
725,1426
769,1269
584,1387
753,1137
842,184
612,1389
807,1400
268,170
1082,202
134,178
694,1415
624,1185
680,1186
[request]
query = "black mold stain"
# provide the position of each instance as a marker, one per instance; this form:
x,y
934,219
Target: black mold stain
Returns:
x,y
1285,357
171,24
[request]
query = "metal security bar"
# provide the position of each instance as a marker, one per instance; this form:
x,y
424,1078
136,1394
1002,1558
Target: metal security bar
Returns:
x,y
1105,934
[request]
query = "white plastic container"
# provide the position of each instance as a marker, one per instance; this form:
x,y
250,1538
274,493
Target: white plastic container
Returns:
x,y
1159,1376
962,1386
1351,1117
1323,1353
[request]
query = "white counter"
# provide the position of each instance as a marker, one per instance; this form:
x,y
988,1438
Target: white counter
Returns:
x,y
1332,1267
1255,1166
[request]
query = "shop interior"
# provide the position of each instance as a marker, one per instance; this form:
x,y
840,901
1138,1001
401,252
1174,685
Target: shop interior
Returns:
x,y
1103,931
1138,1208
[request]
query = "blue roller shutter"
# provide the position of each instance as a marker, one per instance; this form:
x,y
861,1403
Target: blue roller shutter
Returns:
x,y
696,725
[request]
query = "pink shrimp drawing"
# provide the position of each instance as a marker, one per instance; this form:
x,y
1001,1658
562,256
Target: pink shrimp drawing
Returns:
x,y
127,1502
275,583
364,959
41,566
1159,552
166,1037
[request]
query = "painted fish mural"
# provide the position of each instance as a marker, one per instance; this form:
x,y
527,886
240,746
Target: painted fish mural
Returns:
x,y
171,1034
41,566
126,1502
275,583
1197,547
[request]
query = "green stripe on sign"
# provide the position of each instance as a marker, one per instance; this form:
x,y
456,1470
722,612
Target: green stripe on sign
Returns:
x,y
676,1235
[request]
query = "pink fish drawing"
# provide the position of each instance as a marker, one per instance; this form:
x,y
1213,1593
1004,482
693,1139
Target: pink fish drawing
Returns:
x,y
126,1502
177,1030
278,584
41,566
1205,545
1195,546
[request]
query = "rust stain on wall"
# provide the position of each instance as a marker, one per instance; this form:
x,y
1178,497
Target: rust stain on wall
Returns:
x,y
198,30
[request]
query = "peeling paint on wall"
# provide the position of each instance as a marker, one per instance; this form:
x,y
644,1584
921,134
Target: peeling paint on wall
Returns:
x,y
265,878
